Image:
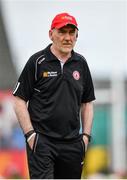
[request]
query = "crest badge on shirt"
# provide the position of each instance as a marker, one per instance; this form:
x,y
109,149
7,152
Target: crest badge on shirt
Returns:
x,y
76,75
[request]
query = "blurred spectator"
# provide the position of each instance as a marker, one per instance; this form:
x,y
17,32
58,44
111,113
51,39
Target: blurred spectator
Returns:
x,y
10,132
18,140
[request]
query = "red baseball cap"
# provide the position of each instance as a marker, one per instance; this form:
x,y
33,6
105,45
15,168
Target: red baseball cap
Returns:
x,y
63,19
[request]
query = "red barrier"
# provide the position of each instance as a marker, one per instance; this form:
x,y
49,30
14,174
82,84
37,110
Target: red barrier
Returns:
x,y
13,164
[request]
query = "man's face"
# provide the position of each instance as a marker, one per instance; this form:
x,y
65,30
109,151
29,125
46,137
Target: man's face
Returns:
x,y
64,38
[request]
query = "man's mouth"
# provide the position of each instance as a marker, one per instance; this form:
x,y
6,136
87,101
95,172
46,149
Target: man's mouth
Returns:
x,y
66,44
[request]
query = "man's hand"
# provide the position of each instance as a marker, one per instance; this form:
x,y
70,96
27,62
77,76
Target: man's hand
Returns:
x,y
86,141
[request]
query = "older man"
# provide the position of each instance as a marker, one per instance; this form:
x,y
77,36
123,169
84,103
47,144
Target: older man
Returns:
x,y
57,84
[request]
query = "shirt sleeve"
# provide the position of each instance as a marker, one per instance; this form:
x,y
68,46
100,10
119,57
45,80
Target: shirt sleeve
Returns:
x,y
25,85
88,90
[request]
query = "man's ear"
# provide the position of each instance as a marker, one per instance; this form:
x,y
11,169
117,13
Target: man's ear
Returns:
x,y
77,35
50,35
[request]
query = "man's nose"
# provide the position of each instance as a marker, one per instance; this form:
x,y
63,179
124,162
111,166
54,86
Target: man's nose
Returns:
x,y
67,36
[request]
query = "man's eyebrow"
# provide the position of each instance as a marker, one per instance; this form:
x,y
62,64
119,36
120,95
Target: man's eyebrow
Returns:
x,y
62,30
72,30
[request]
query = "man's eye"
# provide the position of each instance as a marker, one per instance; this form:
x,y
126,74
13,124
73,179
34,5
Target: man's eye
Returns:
x,y
72,32
61,32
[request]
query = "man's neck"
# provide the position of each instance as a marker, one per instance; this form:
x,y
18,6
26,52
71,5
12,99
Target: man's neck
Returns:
x,y
61,56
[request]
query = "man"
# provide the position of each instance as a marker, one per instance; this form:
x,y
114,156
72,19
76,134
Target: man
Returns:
x,y
57,85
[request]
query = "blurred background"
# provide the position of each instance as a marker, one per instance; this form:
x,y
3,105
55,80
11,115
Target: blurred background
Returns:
x,y
24,26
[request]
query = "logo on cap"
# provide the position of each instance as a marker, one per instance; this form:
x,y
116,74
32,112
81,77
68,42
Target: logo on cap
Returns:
x,y
67,17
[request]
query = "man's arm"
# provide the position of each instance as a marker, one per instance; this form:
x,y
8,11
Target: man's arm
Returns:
x,y
87,119
20,107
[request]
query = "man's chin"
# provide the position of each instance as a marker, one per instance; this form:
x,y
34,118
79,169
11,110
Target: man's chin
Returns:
x,y
66,50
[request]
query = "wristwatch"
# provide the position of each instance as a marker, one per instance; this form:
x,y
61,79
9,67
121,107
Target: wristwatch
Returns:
x,y
87,135
28,134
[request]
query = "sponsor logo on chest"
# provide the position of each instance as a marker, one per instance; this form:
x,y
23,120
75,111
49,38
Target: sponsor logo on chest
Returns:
x,y
49,74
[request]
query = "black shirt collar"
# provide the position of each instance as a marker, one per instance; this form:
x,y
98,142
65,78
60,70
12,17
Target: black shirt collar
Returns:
x,y
50,56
